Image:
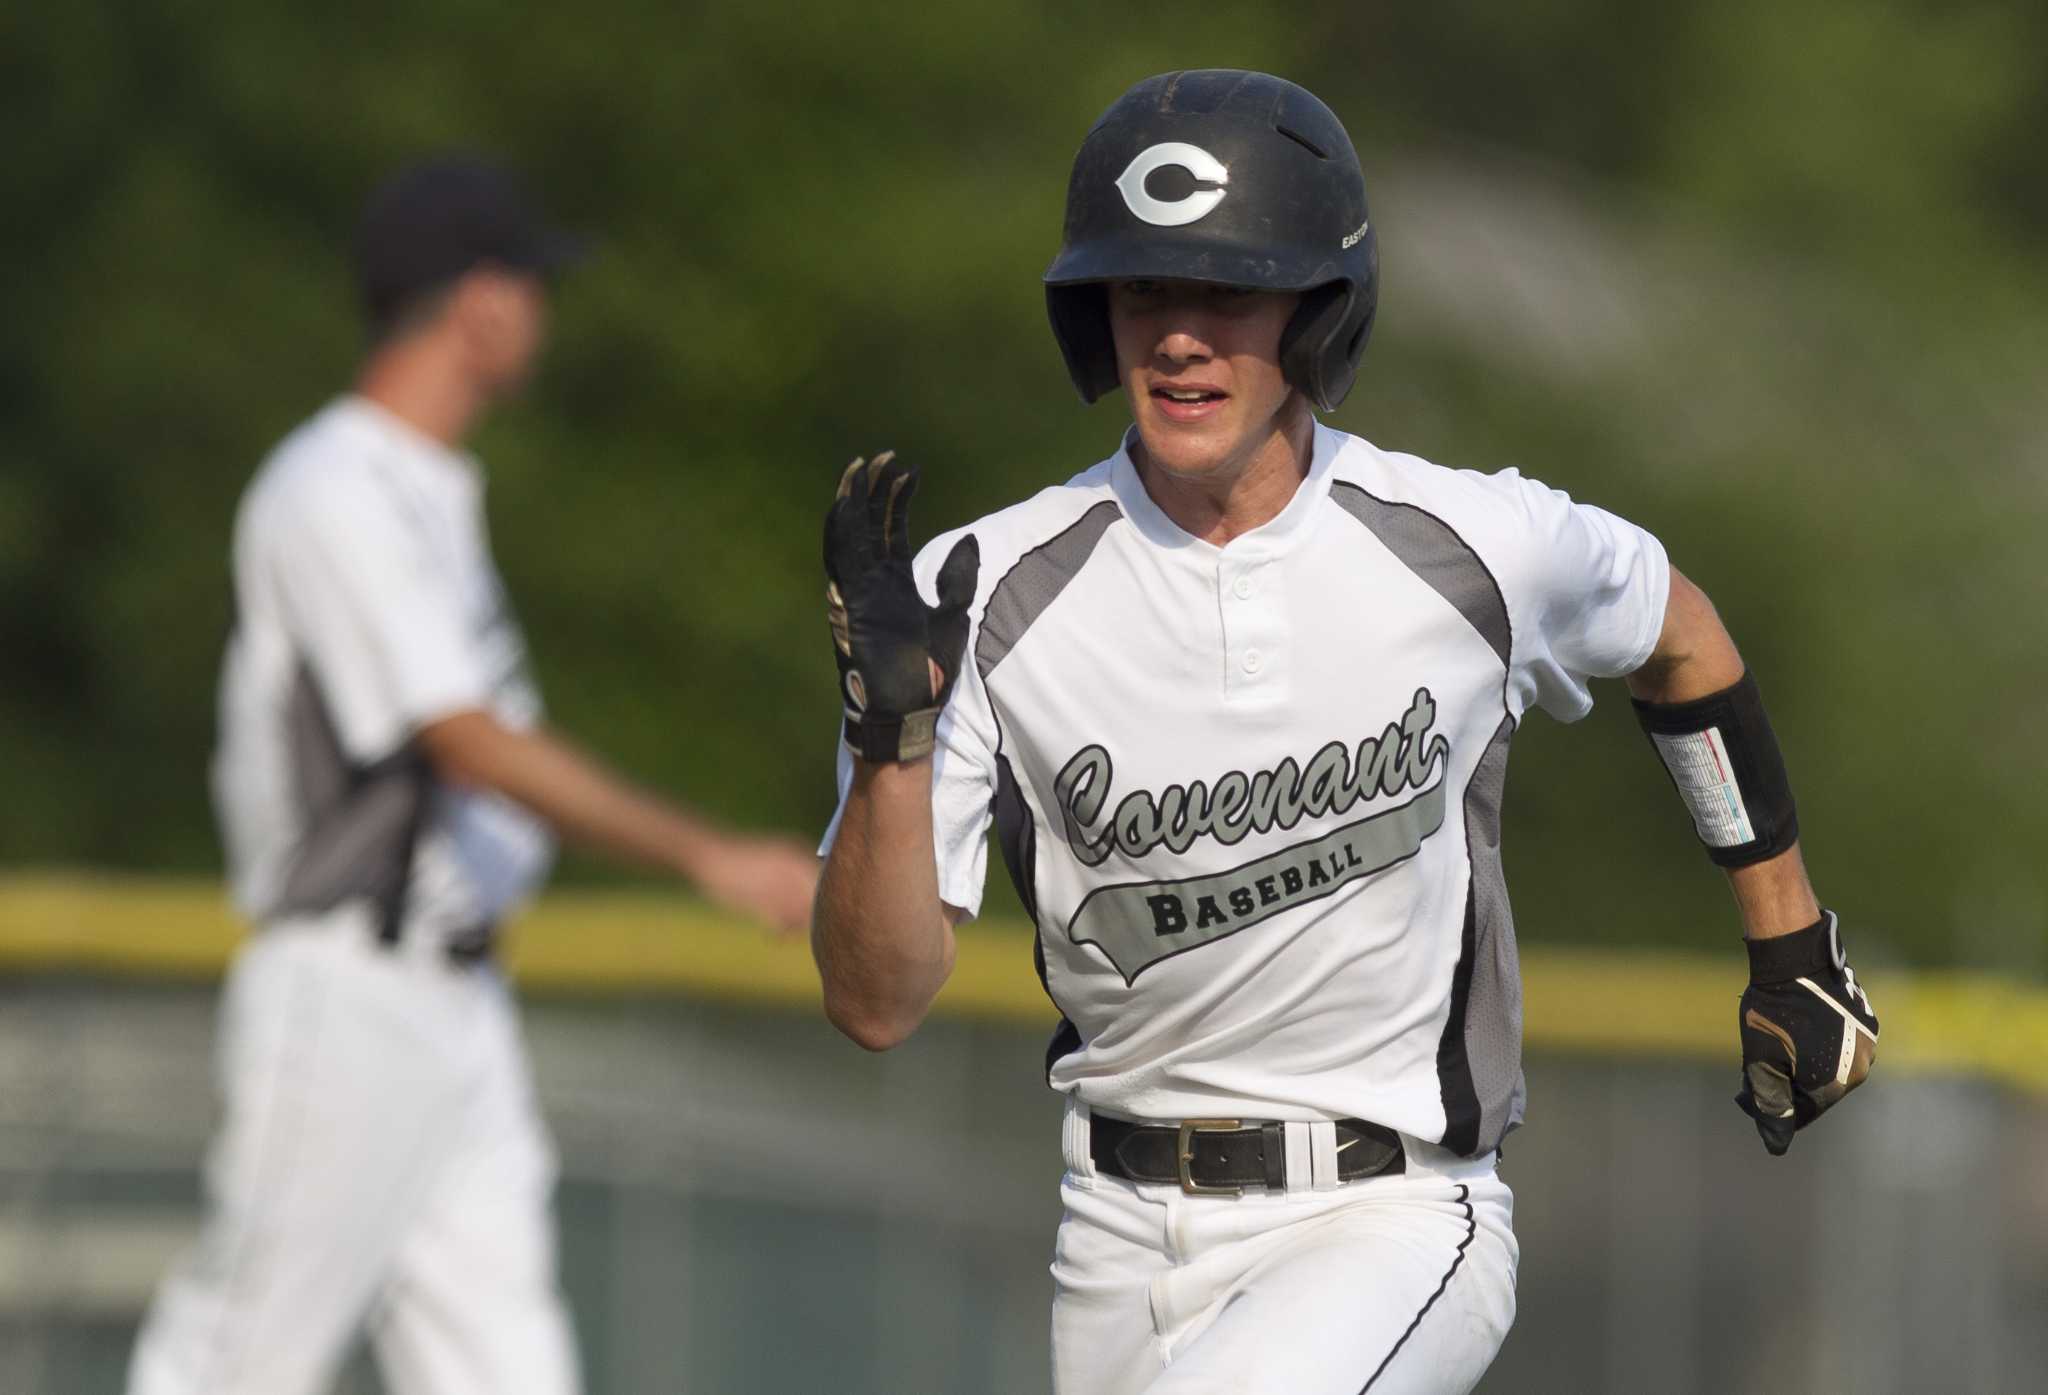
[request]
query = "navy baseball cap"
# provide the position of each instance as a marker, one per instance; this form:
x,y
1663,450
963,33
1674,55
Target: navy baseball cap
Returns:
x,y
432,221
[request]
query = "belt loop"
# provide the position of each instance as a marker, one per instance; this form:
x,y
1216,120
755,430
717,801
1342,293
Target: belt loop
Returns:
x,y
1300,1175
1075,1143
1322,1135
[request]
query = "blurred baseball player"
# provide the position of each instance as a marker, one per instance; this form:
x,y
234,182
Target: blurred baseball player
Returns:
x,y
387,792
1238,702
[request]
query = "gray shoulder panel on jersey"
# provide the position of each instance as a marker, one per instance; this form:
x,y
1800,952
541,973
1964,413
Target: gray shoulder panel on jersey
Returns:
x,y
1432,549
1035,582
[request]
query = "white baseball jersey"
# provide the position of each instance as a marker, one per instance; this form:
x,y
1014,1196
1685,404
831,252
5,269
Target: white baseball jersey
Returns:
x,y
367,606
1251,794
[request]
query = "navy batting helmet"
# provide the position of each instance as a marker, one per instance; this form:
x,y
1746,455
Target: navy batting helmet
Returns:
x,y
1218,175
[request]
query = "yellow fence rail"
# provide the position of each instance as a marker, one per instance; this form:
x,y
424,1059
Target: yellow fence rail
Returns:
x,y
608,943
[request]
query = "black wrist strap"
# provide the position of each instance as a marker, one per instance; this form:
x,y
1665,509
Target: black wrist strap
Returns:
x,y
1807,953
880,740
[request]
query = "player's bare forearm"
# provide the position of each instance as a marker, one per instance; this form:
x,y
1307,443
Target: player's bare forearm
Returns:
x,y
1695,656
1775,897
584,802
882,938
579,798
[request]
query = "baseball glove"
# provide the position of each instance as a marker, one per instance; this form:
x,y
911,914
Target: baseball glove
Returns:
x,y
886,639
1809,1035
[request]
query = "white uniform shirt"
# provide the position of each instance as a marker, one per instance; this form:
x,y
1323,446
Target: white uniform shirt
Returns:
x,y
1251,794
367,606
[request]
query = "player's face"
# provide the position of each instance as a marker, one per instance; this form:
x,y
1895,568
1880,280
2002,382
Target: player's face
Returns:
x,y
1201,366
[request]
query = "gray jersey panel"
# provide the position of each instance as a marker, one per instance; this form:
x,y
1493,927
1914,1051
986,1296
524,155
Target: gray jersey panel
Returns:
x,y
1432,549
1493,1005
1483,1060
1024,594
358,825
1035,582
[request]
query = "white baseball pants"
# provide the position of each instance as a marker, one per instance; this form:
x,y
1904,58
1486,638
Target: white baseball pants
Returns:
x,y
1393,1286
380,1161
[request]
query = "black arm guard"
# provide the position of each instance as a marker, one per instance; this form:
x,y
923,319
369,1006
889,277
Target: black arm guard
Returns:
x,y
1723,758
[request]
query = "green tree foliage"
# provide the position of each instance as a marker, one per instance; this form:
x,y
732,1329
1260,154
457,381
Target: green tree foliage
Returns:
x,y
1768,280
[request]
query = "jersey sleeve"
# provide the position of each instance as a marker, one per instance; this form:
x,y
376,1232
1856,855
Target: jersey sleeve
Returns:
x,y
377,610
963,762
1586,592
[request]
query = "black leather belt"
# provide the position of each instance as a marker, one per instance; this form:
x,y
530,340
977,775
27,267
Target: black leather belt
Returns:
x,y
1221,1157
464,948
477,944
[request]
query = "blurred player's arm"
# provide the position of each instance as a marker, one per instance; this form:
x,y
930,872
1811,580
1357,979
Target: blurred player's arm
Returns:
x,y
386,631
1808,1032
882,937
1694,658
769,879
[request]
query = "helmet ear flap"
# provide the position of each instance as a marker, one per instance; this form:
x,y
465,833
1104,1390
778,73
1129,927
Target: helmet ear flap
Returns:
x,y
1320,348
1080,322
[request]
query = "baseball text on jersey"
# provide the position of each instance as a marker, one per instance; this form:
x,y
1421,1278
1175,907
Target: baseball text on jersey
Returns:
x,y
1137,924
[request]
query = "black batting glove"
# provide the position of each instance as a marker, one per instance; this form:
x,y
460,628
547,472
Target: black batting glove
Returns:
x,y
1809,1036
883,634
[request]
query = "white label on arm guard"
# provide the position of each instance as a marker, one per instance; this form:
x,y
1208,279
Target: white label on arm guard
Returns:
x,y
1698,762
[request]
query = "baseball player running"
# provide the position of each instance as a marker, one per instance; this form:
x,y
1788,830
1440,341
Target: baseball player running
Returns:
x,y
1238,702
387,792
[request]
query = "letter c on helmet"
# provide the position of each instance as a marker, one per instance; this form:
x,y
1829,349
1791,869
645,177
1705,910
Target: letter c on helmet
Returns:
x,y
1163,213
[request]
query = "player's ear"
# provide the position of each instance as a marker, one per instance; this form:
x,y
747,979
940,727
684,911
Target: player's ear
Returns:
x,y
467,310
492,308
